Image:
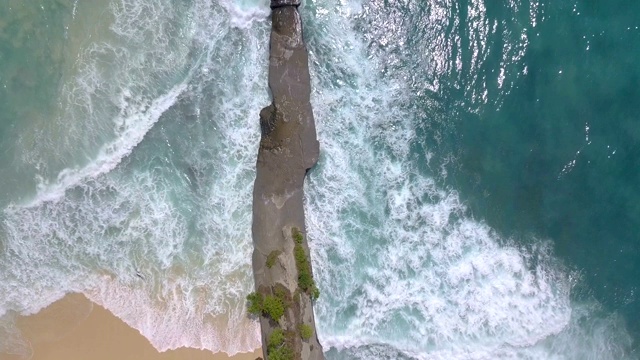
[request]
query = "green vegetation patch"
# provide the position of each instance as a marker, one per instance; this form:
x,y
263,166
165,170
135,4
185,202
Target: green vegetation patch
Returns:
x,y
282,293
305,278
255,303
272,306
277,347
276,339
305,331
272,258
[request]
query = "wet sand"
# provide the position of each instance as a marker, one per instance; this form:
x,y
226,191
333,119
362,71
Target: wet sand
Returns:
x,y
76,329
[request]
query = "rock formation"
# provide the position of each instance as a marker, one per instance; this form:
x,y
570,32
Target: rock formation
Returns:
x,y
288,149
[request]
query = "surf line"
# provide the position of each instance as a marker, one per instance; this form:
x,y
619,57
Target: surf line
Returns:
x,y
284,286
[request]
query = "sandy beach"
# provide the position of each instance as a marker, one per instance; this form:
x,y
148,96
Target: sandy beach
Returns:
x,y
74,328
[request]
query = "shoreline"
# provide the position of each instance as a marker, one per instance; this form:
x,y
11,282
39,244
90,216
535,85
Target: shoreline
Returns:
x,y
74,328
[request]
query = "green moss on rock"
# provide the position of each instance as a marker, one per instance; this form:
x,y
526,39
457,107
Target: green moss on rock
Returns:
x,y
255,303
305,331
272,306
277,347
272,258
305,277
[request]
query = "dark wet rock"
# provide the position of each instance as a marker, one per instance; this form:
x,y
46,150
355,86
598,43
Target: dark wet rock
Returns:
x,y
281,3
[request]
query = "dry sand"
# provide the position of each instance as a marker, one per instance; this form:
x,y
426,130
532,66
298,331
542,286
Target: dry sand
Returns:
x,y
76,329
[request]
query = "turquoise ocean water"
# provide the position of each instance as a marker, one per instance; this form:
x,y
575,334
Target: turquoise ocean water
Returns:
x,y
476,195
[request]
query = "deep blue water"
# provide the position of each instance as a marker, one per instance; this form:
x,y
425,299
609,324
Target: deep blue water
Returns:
x,y
557,154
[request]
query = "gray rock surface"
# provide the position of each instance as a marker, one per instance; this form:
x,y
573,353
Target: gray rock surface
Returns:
x,y
288,148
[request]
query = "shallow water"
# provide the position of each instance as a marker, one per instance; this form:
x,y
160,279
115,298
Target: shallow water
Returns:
x,y
460,144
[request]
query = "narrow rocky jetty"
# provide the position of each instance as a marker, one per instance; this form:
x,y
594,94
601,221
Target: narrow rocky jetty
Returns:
x,y
285,289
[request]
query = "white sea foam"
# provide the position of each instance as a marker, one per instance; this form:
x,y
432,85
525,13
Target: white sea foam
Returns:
x,y
124,76
404,270
132,129
156,228
243,13
123,242
186,315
